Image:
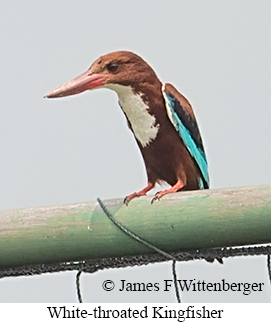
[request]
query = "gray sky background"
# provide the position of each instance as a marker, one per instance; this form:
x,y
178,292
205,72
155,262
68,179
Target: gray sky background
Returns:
x,y
217,53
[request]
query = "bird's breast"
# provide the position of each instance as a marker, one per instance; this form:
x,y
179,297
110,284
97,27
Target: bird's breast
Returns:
x,y
143,124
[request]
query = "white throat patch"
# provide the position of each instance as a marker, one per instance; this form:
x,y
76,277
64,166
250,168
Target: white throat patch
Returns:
x,y
142,122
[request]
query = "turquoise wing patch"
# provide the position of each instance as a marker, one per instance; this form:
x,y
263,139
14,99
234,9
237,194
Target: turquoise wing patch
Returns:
x,y
189,133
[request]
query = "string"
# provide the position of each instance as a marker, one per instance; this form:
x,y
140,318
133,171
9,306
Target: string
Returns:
x,y
145,243
78,288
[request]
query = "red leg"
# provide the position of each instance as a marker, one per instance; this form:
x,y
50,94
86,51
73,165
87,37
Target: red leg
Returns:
x,y
173,189
140,193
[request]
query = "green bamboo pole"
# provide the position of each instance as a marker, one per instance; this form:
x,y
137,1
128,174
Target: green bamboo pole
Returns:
x,y
181,221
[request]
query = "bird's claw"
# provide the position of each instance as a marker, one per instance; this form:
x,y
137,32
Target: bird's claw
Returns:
x,y
128,198
126,201
138,194
156,197
153,199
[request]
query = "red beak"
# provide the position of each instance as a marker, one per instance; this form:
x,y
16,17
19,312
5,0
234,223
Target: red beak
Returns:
x,y
81,83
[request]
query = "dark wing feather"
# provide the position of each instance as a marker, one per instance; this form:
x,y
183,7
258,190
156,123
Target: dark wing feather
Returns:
x,y
182,117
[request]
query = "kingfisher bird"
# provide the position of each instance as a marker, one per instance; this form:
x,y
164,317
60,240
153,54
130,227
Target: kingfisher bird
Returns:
x,y
161,119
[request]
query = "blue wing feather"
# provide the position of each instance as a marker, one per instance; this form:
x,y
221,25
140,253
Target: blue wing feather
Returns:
x,y
181,115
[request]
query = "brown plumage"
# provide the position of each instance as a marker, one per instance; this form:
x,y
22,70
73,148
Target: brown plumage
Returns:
x,y
142,99
161,119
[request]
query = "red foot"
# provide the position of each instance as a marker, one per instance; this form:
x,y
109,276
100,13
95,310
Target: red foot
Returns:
x,y
137,194
173,189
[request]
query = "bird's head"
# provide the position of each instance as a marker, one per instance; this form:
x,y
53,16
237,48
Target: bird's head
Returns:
x,y
116,68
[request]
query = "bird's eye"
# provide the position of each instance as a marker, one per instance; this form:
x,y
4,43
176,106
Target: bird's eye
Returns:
x,y
112,67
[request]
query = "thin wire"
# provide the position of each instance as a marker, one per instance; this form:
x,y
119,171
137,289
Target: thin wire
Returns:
x,y
78,288
145,243
133,235
177,293
269,267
